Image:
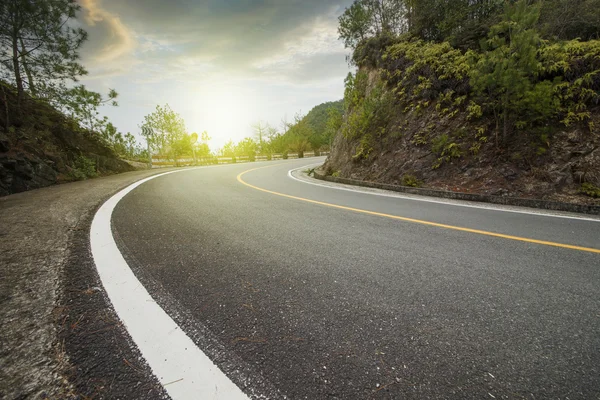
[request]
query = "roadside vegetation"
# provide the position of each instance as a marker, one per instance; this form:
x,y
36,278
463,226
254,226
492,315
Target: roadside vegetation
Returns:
x,y
51,129
312,132
494,96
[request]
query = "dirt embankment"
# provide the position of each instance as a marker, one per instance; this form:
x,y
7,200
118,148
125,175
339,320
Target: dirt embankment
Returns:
x,y
40,146
423,148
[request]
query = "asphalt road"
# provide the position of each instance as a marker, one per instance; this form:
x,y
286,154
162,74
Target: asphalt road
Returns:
x,y
302,300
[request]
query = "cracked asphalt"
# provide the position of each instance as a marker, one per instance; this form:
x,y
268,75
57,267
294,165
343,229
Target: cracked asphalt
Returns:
x,y
299,300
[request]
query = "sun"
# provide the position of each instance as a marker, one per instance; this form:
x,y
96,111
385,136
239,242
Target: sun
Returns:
x,y
224,111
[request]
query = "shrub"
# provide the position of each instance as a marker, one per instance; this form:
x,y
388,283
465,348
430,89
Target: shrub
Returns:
x,y
83,168
419,70
411,180
590,190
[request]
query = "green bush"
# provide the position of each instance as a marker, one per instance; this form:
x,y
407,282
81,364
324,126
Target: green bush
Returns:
x,y
411,180
439,143
590,190
419,70
83,168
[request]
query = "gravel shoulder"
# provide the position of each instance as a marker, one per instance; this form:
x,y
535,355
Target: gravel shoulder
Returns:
x,y
59,336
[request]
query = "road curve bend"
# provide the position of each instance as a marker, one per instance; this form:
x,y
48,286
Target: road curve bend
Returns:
x,y
296,290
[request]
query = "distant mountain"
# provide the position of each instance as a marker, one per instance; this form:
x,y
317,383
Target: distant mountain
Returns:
x,y
317,117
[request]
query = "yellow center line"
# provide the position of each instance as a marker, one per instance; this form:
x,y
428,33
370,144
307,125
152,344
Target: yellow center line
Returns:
x,y
415,221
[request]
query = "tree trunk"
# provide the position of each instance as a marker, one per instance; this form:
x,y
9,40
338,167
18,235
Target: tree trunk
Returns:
x,y
27,71
505,130
6,113
17,68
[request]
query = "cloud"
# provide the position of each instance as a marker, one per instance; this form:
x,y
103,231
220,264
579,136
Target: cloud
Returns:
x,y
111,43
252,59
241,37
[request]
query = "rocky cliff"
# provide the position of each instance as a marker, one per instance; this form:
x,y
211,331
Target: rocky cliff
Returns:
x,y
413,120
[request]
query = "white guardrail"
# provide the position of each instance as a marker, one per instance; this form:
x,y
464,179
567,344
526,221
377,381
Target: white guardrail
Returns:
x,y
159,161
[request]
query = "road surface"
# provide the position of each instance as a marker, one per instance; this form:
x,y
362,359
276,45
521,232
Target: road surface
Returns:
x,y
307,292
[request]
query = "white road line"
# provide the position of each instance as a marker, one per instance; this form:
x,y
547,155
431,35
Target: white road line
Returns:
x,y
456,203
171,354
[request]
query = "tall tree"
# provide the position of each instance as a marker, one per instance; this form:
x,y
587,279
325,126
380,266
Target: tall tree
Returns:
x,y
38,40
355,24
505,74
167,130
369,18
260,132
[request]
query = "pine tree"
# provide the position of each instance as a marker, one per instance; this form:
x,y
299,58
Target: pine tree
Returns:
x,y
506,72
39,46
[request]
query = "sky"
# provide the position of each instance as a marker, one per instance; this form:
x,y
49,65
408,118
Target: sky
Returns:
x,y
223,65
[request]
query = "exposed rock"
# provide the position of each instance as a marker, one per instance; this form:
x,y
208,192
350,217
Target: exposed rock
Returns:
x,y
525,166
43,148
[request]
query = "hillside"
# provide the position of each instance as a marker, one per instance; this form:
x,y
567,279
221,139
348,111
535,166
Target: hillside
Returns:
x,y
429,114
318,116
40,147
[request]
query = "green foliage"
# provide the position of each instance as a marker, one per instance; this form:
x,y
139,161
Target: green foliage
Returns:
x,y
83,104
324,121
575,68
334,123
336,174
248,147
39,53
439,144
310,171
355,89
372,18
40,42
462,23
167,131
354,24
445,149
228,150
505,75
370,52
411,181
417,70
369,111
83,168
570,19
590,190
364,149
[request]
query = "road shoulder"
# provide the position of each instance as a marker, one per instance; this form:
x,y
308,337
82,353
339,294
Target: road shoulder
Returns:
x,y
60,336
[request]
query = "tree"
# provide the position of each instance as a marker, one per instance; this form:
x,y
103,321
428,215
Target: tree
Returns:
x,y
334,122
201,148
181,146
300,137
168,129
247,147
228,150
260,132
36,39
83,104
355,24
368,18
505,74
205,138
571,19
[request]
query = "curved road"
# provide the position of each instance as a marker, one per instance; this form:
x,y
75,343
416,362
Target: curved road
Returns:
x,y
294,298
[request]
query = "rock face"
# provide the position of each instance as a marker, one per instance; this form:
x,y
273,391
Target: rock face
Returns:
x,y
39,147
20,172
544,166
